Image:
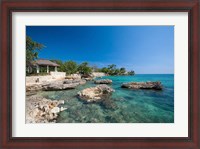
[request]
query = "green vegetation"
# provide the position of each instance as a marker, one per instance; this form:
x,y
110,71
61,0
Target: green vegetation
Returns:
x,y
122,70
70,67
84,69
32,48
113,70
61,68
131,73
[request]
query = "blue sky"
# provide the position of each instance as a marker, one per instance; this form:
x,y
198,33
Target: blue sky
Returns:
x,y
144,49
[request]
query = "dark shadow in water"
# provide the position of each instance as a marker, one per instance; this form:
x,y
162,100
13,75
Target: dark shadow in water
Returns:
x,y
128,97
110,119
108,104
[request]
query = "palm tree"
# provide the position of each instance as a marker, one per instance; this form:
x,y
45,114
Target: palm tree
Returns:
x,y
122,71
131,72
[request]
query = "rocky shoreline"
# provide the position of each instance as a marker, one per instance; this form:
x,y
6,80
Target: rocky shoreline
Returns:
x,y
42,110
55,85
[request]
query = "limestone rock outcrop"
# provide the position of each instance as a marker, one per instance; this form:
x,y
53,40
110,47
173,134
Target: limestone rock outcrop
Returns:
x,y
143,85
42,110
95,94
103,81
55,85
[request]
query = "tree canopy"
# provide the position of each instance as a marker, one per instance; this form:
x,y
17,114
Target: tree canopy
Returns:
x,y
122,70
70,67
113,70
61,67
131,72
32,48
84,69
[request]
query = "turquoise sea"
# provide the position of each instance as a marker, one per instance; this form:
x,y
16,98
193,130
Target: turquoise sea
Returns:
x,y
124,106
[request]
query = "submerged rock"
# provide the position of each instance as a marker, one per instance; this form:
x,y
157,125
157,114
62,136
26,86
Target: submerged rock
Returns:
x,y
94,94
143,85
33,87
103,81
109,104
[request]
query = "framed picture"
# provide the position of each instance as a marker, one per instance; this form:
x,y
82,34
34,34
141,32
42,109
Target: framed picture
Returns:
x,y
100,74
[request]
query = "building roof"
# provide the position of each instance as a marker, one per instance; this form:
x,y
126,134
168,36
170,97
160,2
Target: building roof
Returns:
x,y
44,62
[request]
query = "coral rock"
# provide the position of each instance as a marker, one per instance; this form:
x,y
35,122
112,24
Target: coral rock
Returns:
x,y
97,93
143,85
103,81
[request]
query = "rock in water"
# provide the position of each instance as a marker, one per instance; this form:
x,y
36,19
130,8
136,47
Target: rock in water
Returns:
x,y
108,104
33,87
79,81
62,109
103,81
59,86
94,94
55,85
143,85
55,110
42,110
63,85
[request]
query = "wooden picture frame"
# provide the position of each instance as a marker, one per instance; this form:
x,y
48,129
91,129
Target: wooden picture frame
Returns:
x,y
9,6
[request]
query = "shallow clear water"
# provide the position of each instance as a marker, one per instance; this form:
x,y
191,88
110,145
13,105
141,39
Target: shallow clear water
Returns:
x,y
124,106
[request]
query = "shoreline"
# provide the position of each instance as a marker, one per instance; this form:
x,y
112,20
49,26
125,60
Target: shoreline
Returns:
x,y
90,82
42,110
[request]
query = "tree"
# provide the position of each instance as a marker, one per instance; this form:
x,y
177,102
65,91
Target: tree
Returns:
x,y
122,70
84,69
61,67
112,69
105,70
131,73
116,71
70,67
32,48
95,68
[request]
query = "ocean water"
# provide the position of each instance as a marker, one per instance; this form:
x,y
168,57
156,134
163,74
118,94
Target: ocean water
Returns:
x,y
124,106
